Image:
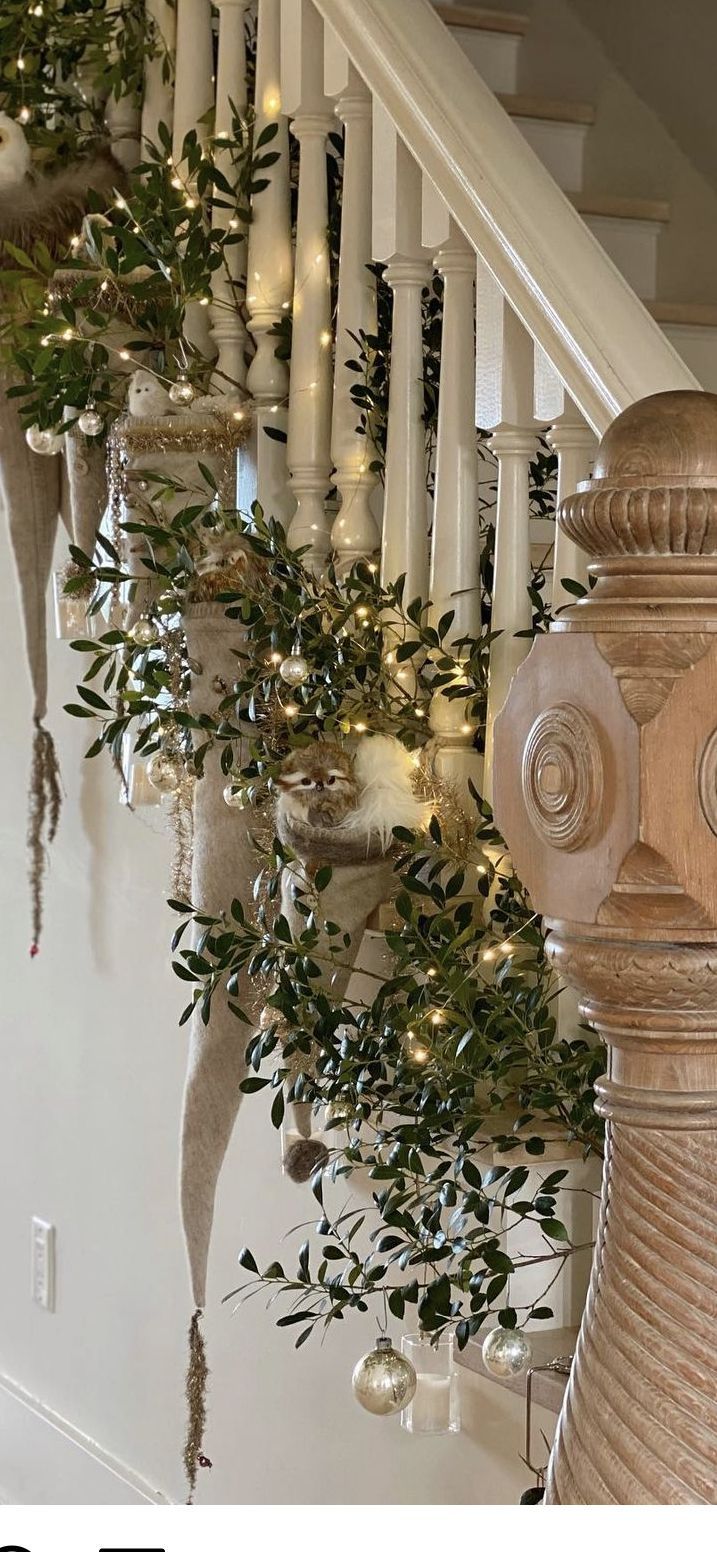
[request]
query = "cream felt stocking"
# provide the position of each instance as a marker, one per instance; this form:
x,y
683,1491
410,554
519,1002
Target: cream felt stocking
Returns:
x,y
31,491
224,867
87,484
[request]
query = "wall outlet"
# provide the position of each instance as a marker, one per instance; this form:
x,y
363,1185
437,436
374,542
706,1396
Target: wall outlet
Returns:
x,y
42,1284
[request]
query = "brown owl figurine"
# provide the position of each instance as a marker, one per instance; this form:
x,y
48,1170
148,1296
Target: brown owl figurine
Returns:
x,y
317,785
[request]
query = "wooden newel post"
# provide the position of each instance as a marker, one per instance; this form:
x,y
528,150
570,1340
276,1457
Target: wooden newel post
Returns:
x,y
606,792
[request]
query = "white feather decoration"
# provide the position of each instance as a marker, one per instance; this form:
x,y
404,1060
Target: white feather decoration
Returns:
x,y
384,772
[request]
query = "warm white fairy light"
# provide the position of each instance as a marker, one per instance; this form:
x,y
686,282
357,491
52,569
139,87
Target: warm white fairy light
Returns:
x,y
21,64
359,727
420,712
24,116
68,334
276,657
124,355
362,612
291,711
233,224
237,414
285,307
325,337
176,183
120,202
466,727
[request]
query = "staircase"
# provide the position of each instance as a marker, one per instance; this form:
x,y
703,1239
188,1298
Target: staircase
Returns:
x,y
627,227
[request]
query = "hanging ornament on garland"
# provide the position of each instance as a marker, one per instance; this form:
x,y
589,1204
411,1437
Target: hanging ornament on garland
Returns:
x,y
383,1381
46,443
234,796
294,669
144,632
506,1353
165,771
90,422
181,393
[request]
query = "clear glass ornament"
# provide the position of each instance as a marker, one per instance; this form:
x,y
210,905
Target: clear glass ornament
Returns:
x,y
47,443
506,1353
165,771
435,1406
383,1381
182,392
294,669
144,632
90,422
71,617
234,796
136,790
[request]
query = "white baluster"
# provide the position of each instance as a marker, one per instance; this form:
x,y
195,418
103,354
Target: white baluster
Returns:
x,y
574,442
193,71
354,533
309,433
514,445
455,556
269,268
230,336
397,238
122,116
158,96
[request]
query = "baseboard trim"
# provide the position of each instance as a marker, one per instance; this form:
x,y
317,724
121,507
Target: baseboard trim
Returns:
x,y
44,1458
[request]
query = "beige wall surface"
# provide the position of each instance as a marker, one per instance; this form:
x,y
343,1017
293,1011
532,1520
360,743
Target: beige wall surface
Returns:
x,y
92,1071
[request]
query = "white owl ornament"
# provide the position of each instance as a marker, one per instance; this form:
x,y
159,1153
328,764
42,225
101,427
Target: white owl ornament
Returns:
x,y
146,396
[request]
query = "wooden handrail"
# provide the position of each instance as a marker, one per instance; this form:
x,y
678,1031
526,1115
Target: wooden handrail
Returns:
x,y
568,293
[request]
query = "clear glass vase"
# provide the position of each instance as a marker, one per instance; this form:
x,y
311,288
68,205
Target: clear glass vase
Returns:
x,y
435,1407
71,618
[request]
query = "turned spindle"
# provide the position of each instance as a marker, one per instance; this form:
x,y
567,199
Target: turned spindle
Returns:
x,y
606,792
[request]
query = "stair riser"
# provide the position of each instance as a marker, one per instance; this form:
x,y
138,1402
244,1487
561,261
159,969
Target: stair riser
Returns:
x,y
561,148
494,54
632,246
698,349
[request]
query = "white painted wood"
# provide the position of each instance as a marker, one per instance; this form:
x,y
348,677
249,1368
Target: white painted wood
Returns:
x,y
632,245
270,273
48,1460
697,345
455,550
560,147
494,54
158,95
575,444
310,386
514,445
194,71
228,282
123,118
548,390
568,294
354,533
404,548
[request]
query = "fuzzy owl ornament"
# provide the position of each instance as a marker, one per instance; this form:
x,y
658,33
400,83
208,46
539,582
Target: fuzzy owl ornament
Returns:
x,y
339,807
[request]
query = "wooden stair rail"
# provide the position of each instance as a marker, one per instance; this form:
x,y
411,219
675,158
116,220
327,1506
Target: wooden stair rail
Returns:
x,y
606,792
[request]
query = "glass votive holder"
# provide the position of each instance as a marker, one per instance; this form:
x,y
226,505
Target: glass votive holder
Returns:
x,y
435,1407
71,618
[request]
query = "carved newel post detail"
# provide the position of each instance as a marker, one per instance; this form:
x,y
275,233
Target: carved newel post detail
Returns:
x,y
606,792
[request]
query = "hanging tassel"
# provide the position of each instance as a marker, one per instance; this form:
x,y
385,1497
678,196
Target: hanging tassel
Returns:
x,y
196,1392
43,816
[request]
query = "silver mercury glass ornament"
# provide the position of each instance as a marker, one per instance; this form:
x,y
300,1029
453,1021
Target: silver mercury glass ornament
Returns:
x,y
182,392
294,669
506,1353
234,796
383,1381
144,632
44,442
164,771
90,422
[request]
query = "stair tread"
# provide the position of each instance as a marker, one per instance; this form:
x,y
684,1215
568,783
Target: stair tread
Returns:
x,y
484,20
560,110
700,314
621,206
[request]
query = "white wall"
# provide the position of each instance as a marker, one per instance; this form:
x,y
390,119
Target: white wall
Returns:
x,y
92,1068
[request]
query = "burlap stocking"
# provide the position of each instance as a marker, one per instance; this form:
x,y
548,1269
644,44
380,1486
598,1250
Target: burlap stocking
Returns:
x,y
31,491
87,484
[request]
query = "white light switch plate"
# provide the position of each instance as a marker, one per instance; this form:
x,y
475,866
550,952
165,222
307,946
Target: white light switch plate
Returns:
x,y
42,1286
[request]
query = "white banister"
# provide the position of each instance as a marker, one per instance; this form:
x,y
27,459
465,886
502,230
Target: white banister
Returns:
x,y
309,431
270,272
123,116
193,72
354,533
599,337
158,95
514,444
574,443
228,330
397,239
455,551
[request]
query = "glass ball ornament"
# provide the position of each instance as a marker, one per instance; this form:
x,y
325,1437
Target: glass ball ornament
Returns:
x,y
294,669
144,632
164,771
506,1353
234,796
383,1381
45,442
90,422
182,392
